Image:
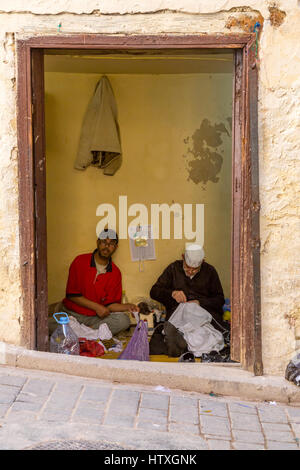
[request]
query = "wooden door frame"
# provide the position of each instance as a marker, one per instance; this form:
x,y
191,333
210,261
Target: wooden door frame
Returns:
x,y
245,270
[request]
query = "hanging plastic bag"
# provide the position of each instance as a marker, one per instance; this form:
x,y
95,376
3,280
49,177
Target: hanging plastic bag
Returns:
x,y
292,372
138,347
63,340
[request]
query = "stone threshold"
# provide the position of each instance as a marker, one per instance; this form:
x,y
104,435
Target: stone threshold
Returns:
x,y
219,379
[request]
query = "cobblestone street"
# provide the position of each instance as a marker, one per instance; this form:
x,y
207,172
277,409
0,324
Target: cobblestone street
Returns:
x,y
39,407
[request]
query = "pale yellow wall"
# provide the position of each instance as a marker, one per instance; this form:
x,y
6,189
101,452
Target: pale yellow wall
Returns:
x,y
156,114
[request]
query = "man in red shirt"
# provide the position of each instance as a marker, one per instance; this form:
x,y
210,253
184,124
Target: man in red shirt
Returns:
x,y
94,287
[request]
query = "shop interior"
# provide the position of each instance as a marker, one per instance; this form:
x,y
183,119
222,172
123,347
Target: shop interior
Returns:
x,y
174,112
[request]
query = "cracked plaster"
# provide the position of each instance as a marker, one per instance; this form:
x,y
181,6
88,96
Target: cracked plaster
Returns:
x,y
279,142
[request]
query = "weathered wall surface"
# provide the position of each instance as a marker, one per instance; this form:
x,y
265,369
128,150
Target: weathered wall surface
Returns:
x,y
279,109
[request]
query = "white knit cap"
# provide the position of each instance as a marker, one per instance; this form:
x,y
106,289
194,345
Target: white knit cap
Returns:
x,y
194,255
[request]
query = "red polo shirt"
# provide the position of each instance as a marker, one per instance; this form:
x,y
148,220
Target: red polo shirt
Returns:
x,y
83,281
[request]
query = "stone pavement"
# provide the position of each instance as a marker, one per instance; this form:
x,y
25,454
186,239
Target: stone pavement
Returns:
x,y
41,408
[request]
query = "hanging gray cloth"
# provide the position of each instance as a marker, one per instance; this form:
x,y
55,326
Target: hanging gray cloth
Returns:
x,y
99,143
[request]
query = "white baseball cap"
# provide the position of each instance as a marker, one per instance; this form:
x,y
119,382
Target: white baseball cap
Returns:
x,y
194,255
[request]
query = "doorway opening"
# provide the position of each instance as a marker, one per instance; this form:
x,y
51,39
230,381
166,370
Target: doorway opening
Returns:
x,y
178,100
175,118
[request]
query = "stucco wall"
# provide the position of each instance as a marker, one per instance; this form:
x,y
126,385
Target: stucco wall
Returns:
x,y
279,109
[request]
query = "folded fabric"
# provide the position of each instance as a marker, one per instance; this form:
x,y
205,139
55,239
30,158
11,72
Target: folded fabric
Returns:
x,y
194,322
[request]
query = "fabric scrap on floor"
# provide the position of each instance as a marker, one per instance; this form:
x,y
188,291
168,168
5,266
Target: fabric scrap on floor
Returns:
x,y
113,344
90,348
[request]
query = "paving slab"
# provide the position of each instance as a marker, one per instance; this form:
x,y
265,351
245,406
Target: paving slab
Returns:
x,y
245,422
215,444
249,437
215,425
154,401
246,446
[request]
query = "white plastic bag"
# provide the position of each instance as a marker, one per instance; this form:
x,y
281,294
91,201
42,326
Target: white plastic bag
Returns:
x,y
83,331
195,324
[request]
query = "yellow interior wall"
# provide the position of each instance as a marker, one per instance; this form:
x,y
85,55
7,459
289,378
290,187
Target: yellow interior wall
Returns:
x,y
156,113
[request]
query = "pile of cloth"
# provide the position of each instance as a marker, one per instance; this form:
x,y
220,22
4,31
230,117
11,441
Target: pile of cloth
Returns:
x,y
90,348
95,342
190,329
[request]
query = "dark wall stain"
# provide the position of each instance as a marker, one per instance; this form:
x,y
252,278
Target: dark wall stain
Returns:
x,y
276,16
205,159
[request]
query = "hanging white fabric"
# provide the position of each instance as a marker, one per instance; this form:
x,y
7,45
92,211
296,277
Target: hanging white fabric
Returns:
x,y
195,324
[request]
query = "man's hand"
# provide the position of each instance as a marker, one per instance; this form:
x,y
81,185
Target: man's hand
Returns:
x,y
102,311
179,296
131,307
123,308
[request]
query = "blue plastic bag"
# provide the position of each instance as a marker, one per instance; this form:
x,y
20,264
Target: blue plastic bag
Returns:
x,y
138,347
